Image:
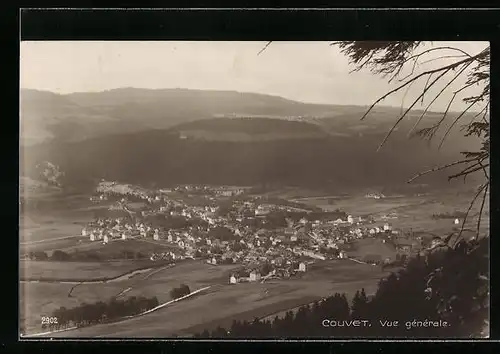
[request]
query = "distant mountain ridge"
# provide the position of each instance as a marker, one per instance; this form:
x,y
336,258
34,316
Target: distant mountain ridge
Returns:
x,y
79,116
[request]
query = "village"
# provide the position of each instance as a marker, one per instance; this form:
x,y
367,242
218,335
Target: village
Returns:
x,y
268,240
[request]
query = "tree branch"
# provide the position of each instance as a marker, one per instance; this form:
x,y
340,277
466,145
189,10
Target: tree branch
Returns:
x,y
437,96
480,217
455,122
428,72
443,57
439,168
417,56
409,108
485,185
468,171
265,47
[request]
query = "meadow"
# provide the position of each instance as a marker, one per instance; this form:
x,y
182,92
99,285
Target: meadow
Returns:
x,y
224,302
79,271
372,246
41,298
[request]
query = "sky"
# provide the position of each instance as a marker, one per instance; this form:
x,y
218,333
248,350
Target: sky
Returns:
x,y
313,72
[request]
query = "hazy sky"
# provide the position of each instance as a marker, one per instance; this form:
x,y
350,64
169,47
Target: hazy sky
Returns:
x,y
305,71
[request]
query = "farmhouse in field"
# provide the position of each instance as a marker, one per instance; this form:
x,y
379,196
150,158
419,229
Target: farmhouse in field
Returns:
x,y
255,275
233,279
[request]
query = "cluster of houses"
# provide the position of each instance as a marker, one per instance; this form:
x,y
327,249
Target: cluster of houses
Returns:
x,y
109,229
254,275
375,195
249,243
167,256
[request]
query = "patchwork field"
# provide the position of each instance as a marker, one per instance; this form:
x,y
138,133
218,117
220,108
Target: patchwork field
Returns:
x,y
411,212
80,271
41,298
66,216
223,302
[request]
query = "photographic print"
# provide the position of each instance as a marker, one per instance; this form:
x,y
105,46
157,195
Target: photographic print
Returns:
x,y
244,189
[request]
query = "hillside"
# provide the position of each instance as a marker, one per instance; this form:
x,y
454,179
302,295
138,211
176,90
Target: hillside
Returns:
x,y
79,116
164,137
162,158
248,129
75,117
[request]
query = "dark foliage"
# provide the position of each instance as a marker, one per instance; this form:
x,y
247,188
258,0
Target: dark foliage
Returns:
x,y
180,291
101,312
416,302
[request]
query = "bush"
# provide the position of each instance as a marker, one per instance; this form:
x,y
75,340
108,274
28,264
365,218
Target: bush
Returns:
x,y
59,255
98,312
180,291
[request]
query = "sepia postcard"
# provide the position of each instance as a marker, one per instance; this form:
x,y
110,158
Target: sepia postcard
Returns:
x,y
267,190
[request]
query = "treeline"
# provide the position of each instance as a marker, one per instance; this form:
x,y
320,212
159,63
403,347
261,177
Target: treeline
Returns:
x,y
86,256
251,126
445,294
100,312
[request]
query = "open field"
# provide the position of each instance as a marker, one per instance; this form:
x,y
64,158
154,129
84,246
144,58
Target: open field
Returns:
x,y
372,246
227,302
359,205
411,212
57,243
33,228
77,270
40,299
143,245
66,216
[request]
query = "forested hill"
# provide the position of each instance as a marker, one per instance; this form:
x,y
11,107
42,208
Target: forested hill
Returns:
x,y
161,157
222,137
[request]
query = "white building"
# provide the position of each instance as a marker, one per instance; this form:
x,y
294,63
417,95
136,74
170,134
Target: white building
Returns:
x,y
156,236
84,232
106,239
254,276
387,227
457,222
124,236
350,219
342,254
92,236
302,267
233,279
